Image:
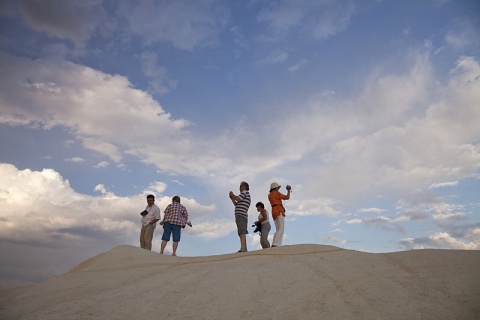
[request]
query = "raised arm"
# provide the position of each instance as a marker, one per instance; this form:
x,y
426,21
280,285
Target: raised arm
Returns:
x,y
287,196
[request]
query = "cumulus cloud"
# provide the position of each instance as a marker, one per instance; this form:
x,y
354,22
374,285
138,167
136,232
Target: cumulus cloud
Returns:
x,y
43,217
409,134
443,240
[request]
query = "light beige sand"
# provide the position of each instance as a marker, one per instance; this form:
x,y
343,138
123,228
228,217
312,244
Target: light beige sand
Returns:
x,y
290,282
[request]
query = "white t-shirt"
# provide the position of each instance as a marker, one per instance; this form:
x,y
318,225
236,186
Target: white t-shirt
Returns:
x,y
153,213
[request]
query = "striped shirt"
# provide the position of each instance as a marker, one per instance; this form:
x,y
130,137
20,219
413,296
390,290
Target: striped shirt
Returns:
x,y
241,208
176,213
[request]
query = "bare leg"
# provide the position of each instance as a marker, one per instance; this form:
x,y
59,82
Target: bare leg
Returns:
x,y
162,246
175,246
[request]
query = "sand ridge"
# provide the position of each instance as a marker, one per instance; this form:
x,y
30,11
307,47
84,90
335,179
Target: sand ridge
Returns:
x,y
289,282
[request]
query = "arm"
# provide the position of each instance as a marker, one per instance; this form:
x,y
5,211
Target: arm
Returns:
x,y
164,215
234,198
288,192
185,214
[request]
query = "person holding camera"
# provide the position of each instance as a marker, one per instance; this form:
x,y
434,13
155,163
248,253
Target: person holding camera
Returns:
x,y
175,218
278,211
241,203
150,216
263,225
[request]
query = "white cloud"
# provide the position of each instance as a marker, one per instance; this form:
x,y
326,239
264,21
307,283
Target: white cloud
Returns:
x,y
307,207
325,137
100,188
411,132
449,216
102,164
75,159
371,210
443,184
156,187
297,66
354,221
443,240
106,148
103,111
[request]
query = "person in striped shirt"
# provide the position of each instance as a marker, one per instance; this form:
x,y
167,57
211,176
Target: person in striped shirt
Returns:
x,y
175,218
241,203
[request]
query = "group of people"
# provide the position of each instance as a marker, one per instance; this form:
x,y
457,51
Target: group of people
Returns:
x,y
242,203
176,218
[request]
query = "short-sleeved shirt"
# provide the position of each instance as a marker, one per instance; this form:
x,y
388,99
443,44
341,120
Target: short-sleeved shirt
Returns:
x,y
153,213
176,213
275,198
241,208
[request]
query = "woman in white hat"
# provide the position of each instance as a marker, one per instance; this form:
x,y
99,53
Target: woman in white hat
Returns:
x,y
278,211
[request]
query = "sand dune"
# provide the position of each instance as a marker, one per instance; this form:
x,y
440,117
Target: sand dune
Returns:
x,y
289,282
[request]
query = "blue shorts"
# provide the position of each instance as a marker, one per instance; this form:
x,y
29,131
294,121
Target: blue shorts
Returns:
x,y
169,229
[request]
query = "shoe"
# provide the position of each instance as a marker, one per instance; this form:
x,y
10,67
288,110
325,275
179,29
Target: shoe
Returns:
x,y
273,246
242,250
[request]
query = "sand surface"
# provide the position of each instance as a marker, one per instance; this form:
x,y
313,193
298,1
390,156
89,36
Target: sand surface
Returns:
x,y
289,282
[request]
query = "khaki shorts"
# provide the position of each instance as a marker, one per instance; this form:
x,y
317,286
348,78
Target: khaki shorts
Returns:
x,y
242,223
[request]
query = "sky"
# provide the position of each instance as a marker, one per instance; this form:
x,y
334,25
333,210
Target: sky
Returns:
x,y
370,110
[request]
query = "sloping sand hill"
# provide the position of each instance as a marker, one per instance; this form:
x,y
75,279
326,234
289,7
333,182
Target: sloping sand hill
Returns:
x,y
289,282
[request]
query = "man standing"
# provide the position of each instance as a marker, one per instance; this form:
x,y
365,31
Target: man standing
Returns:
x,y
150,216
175,217
241,203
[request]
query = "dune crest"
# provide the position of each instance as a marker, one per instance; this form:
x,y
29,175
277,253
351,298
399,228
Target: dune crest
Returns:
x,y
289,282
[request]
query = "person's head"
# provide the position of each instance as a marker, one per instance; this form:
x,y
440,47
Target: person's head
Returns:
x,y
244,186
274,186
150,199
260,206
176,199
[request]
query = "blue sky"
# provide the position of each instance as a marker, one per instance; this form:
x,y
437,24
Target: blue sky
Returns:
x,y
368,109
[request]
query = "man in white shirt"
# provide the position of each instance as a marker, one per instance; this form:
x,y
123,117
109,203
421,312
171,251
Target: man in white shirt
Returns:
x,y
150,216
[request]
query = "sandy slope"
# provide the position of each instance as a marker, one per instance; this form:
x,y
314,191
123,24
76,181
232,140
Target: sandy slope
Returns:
x,y
290,282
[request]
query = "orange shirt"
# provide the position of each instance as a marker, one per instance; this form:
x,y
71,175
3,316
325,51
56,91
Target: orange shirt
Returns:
x,y
275,198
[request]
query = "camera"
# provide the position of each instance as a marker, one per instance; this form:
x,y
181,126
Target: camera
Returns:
x,y
258,227
144,213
